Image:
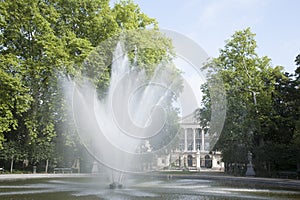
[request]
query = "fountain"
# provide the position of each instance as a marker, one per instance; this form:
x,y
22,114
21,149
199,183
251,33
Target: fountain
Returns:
x,y
115,185
124,130
118,131
115,129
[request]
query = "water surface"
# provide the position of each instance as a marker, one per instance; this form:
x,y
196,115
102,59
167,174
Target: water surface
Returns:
x,y
97,189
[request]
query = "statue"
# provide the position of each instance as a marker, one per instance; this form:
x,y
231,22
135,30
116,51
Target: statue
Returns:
x,y
250,170
250,157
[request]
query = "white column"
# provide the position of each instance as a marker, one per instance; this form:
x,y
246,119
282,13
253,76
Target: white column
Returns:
x,y
185,140
202,140
198,164
180,161
194,139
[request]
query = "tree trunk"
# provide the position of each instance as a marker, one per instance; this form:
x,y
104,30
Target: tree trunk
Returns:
x,y
11,164
47,164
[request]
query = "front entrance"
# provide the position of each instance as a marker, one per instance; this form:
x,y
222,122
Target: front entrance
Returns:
x,y
190,160
208,161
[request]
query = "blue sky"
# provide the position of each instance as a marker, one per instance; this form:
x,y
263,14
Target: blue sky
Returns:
x,y
211,22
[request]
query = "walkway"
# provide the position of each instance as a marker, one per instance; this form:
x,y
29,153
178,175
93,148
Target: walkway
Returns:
x,y
4,177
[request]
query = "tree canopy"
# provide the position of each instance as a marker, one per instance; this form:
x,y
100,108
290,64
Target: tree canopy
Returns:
x,y
41,41
261,105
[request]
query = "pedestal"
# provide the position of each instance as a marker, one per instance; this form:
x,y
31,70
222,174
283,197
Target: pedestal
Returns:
x,y
95,168
250,171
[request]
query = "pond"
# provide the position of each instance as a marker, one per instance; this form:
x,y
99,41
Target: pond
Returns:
x,y
96,188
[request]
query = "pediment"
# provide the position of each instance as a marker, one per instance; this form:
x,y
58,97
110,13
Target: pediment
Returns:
x,y
189,119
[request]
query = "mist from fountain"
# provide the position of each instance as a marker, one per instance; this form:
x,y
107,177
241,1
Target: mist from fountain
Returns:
x,y
116,129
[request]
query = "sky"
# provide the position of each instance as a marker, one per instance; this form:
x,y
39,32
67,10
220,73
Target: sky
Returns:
x,y
211,22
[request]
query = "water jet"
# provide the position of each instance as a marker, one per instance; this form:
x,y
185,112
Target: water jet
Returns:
x,y
117,130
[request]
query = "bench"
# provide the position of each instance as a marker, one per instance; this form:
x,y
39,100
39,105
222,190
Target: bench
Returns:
x,y
288,174
63,170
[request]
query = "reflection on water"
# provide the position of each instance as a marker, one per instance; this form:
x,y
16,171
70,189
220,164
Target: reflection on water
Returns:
x,y
95,189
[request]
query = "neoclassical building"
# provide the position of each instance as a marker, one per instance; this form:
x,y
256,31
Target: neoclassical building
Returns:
x,y
193,149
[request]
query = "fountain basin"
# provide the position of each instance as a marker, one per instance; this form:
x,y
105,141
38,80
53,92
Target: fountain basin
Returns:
x,y
146,188
115,185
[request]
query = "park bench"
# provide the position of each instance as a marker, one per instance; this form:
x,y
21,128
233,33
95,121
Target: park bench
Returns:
x,y
63,170
288,174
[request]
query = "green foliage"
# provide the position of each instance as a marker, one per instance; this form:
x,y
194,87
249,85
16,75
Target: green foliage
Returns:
x,y
146,49
41,41
12,150
260,100
128,16
15,99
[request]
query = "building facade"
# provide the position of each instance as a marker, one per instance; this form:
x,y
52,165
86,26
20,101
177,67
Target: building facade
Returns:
x,y
193,150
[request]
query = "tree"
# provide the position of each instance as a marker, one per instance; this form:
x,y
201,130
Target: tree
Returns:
x,y
295,99
249,83
15,99
282,137
42,41
12,152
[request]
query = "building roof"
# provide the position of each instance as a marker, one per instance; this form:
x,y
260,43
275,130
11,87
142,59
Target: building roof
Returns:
x,y
189,121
